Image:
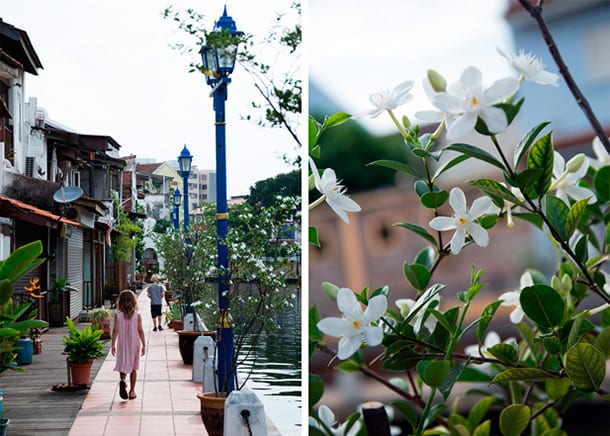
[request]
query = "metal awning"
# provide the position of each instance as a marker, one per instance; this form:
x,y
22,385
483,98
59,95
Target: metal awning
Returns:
x,y
19,210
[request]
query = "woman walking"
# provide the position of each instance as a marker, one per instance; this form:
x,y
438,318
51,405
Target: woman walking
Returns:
x,y
127,336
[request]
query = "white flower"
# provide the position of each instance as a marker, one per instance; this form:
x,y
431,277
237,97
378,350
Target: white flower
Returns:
x,y
603,157
333,192
512,298
389,99
354,326
466,100
531,68
566,177
326,420
407,306
464,220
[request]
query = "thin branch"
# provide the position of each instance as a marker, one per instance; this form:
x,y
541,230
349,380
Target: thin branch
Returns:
x,y
536,13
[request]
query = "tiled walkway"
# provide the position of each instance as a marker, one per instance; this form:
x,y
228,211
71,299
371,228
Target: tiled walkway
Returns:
x,y
166,403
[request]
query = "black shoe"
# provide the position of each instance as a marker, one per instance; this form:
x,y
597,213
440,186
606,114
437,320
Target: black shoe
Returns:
x,y
155,329
123,390
160,328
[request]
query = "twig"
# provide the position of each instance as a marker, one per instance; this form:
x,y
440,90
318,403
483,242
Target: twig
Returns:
x,y
536,13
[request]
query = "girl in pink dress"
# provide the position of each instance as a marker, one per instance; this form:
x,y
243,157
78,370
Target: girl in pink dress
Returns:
x,y
127,335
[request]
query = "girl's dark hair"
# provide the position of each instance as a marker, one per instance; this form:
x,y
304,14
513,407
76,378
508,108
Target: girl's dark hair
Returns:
x,y
127,303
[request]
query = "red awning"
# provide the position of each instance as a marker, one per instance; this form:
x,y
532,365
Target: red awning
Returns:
x,y
16,209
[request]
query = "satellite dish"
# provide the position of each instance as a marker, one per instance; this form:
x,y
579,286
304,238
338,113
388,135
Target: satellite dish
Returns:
x,y
67,194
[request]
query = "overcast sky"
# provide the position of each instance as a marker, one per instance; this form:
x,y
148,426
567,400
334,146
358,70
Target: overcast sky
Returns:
x,y
355,51
109,70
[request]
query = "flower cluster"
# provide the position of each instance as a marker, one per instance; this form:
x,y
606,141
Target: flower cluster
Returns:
x,y
561,342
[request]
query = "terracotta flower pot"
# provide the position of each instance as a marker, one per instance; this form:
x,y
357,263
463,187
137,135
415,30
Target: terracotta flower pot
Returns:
x,y
80,373
213,411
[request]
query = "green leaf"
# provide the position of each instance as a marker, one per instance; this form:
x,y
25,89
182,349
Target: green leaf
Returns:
x,y
477,153
421,187
527,181
406,410
433,372
418,275
581,248
527,141
316,389
552,345
479,410
426,257
434,413
505,353
434,200
313,236
395,165
514,419
541,157
452,376
602,184
557,213
522,374
485,319
335,119
543,305
453,162
418,230
314,318
470,374
574,215
586,366
495,190
348,366
483,429
531,218
313,137
20,261
603,341
556,388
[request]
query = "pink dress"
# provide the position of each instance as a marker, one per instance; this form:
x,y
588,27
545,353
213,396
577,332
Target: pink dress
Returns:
x,y
128,343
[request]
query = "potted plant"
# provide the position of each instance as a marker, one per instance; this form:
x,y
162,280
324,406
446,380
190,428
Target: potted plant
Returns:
x,y
12,322
57,301
257,279
82,347
173,317
101,316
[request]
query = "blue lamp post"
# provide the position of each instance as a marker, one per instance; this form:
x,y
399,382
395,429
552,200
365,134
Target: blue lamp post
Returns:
x,y
184,161
219,60
176,211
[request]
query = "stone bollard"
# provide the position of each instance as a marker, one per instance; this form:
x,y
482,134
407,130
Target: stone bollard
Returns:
x,y
244,414
189,323
204,368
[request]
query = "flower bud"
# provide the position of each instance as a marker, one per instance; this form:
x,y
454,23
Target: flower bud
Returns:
x,y
556,283
566,283
330,290
575,163
438,82
406,121
311,183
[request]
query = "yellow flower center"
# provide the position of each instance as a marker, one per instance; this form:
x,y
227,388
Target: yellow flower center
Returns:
x,y
356,324
463,221
474,101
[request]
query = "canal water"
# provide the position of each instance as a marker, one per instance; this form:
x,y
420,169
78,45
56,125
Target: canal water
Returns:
x,y
277,375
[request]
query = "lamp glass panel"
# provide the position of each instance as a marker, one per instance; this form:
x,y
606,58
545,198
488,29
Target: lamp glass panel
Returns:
x,y
226,57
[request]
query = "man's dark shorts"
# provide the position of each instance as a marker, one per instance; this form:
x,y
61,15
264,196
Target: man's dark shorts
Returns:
x,y
155,310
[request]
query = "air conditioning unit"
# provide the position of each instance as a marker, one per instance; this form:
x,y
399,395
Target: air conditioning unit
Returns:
x,y
30,161
33,168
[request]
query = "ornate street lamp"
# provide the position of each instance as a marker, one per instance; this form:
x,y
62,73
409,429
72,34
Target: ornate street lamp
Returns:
x,y
184,161
218,58
176,212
